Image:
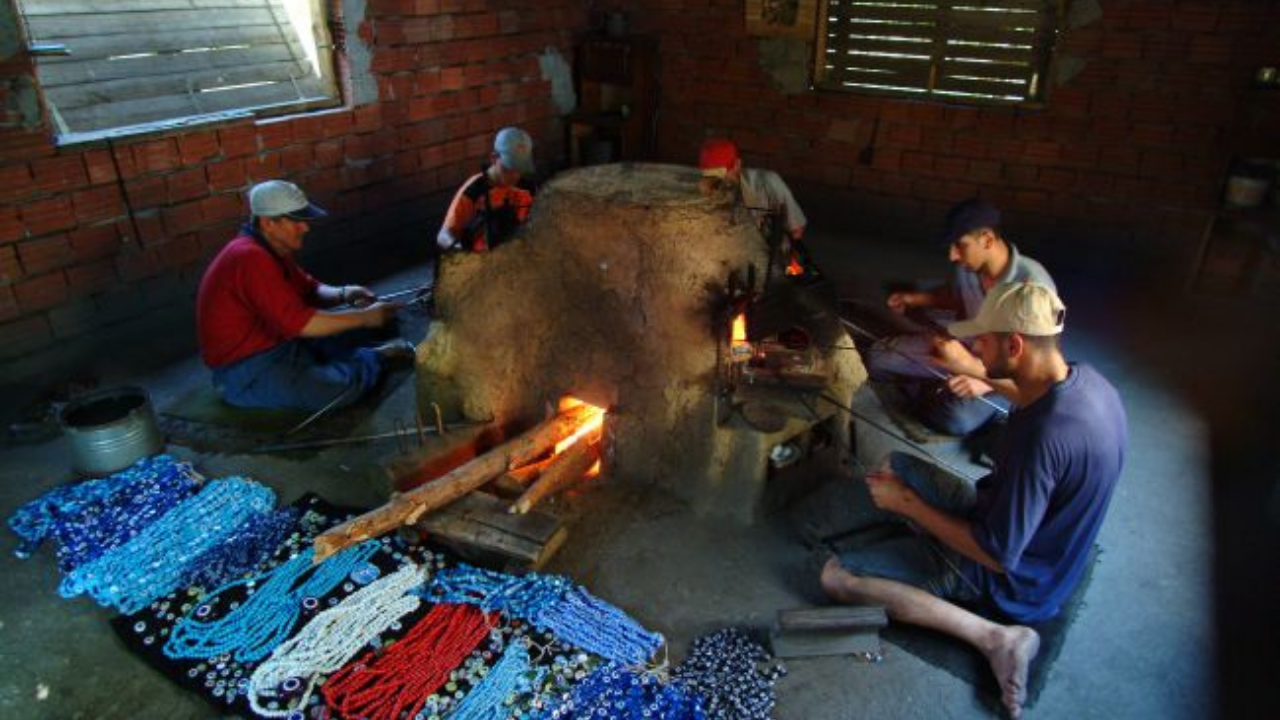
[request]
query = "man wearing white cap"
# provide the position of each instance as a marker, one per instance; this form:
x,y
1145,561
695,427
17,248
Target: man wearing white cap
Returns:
x,y
1015,545
270,332
491,204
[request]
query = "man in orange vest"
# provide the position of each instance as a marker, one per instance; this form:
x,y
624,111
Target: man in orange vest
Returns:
x,y
491,204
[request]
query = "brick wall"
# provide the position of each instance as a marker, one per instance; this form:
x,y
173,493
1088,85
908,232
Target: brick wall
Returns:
x,y
93,236
1127,158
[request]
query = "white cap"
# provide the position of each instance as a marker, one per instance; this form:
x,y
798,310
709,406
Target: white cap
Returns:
x,y
1025,308
274,198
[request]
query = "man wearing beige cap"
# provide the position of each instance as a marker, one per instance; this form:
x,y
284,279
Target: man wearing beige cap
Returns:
x,y
274,336
1015,545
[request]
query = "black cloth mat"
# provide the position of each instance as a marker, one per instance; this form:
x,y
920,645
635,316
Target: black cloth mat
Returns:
x,y
964,662
201,421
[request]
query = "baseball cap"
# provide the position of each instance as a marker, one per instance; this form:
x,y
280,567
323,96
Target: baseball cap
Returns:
x,y
1026,308
515,149
274,198
716,157
968,216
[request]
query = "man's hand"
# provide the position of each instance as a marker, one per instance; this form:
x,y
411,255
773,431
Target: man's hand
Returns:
x,y
359,296
967,386
889,492
900,302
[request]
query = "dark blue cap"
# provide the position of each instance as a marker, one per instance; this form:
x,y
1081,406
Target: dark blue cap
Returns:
x,y
968,216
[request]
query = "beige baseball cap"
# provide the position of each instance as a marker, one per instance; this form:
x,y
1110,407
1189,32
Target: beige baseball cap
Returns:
x,y
1026,308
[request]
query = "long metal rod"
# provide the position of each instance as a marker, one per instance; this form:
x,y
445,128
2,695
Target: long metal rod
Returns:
x,y
408,291
327,442
322,411
917,362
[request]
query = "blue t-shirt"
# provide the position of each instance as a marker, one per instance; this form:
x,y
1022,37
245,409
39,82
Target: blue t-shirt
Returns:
x,y
1039,512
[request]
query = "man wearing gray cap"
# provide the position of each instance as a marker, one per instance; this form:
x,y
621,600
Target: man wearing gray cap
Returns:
x,y
491,204
1015,545
271,333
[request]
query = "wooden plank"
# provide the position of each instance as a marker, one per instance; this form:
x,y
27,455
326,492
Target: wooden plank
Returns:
x,y
833,618
59,27
96,71
479,523
68,97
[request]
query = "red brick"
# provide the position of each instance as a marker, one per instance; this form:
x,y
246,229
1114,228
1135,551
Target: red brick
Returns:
x,y
45,216
186,185
149,227
985,171
296,158
45,254
196,146
42,292
10,269
307,128
180,251
22,336
98,203
94,241
226,175
58,173
16,179
183,218
276,134
9,309
238,141
157,155
11,227
92,278
1021,175
100,167
138,264
222,207
328,154
263,167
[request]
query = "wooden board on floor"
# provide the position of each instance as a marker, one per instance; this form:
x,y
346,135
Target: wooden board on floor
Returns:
x,y
479,527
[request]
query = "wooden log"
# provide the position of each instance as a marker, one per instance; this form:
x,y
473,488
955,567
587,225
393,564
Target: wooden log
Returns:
x,y
479,528
512,483
562,472
420,466
406,508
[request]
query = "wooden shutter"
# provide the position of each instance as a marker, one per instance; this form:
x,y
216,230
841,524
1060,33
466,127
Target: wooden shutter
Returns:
x,y
975,50
147,61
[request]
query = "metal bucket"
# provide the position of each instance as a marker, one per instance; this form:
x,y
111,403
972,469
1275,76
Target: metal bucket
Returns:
x,y
110,429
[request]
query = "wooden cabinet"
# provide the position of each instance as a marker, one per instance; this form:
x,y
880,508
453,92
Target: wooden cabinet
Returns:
x,y
617,100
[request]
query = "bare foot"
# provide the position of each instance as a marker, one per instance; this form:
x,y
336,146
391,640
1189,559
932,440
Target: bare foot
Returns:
x,y
1010,656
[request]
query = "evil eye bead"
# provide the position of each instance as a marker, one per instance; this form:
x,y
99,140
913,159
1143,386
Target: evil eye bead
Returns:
x,y
310,603
291,684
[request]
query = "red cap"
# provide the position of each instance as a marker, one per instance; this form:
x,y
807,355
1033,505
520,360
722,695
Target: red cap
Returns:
x,y
718,155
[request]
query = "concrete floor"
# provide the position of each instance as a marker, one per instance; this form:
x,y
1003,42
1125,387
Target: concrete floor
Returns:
x,y
1143,646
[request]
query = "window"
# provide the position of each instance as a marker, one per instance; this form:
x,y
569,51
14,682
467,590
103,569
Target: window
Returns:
x,y
980,51
151,63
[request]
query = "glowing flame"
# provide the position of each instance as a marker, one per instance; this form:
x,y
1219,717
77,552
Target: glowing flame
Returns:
x,y
593,471
794,267
593,422
738,335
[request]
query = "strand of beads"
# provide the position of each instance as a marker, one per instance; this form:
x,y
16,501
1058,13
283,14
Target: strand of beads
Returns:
x,y
244,551
729,671
613,691
89,518
510,678
253,629
553,604
334,636
154,562
396,682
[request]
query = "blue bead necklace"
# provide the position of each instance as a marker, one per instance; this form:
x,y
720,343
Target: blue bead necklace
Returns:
x,y
552,604
155,561
88,518
246,551
615,692
253,629
493,697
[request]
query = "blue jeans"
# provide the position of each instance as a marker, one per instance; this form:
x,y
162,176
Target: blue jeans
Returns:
x,y
919,560
304,374
930,399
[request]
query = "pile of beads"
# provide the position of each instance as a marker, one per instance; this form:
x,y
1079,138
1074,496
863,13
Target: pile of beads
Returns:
x,y
253,629
729,671
613,691
509,679
156,560
244,551
395,682
553,604
335,635
91,517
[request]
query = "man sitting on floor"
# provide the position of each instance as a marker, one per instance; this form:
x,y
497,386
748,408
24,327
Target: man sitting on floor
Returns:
x,y
1016,545
492,204
982,258
270,331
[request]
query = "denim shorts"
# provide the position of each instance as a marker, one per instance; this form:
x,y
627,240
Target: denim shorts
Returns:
x,y
919,560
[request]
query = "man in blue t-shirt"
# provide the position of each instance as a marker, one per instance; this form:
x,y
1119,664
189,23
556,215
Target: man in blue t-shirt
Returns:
x,y
1017,543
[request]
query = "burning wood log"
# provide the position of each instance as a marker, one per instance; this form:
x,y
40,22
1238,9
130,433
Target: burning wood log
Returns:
x,y
563,471
406,508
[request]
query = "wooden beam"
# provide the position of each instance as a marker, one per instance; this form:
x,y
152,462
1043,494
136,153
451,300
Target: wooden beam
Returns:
x,y
564,470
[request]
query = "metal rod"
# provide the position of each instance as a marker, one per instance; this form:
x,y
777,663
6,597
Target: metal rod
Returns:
x,y
327,442
427,289
321,412
917,362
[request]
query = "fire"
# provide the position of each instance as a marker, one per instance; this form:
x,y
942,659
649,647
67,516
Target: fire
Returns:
x,y
739,348
593,423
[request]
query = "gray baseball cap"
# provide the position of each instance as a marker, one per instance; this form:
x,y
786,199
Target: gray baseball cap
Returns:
x,y
515,149
274,198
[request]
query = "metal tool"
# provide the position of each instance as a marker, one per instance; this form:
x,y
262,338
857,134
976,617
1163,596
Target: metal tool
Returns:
x,y
322,411
327,442
917,362
425,290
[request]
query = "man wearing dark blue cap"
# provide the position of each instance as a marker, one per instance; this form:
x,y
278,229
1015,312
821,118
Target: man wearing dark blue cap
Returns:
x,y
270,332
491,204
983,259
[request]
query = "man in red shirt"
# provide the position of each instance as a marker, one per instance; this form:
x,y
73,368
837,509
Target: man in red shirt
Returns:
x,y
491,204
270,332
